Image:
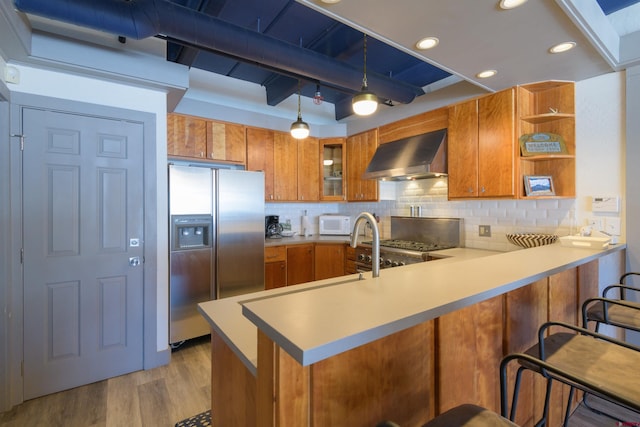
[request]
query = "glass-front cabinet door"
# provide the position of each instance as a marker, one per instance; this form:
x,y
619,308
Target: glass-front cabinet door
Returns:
x,y
332,157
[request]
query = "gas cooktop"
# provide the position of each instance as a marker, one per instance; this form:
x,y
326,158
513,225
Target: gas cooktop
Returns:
x,y
409,245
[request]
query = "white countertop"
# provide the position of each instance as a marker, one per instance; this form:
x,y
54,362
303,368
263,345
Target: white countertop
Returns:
x,y
320,319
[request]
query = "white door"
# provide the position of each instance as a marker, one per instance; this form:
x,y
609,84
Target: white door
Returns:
x,y
83,248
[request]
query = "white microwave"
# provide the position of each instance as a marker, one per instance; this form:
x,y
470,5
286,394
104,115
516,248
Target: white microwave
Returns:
x,y
337,225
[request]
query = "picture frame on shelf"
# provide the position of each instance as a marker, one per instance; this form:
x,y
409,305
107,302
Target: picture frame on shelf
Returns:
x,y
542,143
539,185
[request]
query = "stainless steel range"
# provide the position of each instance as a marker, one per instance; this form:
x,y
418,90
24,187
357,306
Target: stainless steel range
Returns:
x,y
413,240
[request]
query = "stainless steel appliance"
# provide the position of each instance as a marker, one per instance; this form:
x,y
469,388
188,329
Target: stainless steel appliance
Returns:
x,y
413,240
272,227
217,241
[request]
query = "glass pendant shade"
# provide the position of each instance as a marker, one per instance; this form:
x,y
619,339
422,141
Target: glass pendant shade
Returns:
x,y
299,129
365,103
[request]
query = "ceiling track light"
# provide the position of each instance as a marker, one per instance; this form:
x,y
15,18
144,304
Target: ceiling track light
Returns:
x,y
299,129
365,102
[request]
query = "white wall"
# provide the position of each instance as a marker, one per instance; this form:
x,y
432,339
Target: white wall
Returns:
x,y
77,88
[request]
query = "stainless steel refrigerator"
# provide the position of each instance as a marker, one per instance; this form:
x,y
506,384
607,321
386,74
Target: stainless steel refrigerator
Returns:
x,y
216,241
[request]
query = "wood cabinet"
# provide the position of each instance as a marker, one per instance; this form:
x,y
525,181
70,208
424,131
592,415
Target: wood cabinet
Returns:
x,y
291,166
329,260
196,137
482,147
226,142
549,107
332,165
308,170
300,264
186,136
275,267
350,260
360,149
260,157
285,167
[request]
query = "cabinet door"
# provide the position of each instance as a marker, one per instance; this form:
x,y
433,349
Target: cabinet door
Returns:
x,y
226,141
186,136
308,170
299,264
332,163
285,167
329,260
462,149
260,157
497,144
275,274
360,150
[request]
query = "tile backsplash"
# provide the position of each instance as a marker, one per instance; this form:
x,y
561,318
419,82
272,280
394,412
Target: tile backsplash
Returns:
x,y
555,216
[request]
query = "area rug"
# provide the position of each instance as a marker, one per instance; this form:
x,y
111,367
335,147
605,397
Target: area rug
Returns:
x,y
200,420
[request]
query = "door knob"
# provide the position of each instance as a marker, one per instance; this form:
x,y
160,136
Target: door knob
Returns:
x,y
134,261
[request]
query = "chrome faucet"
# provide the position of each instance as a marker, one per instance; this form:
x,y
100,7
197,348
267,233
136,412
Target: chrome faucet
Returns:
x,y
375,244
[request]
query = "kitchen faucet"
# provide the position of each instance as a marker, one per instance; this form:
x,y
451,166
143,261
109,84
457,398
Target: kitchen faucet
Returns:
x,y
375,244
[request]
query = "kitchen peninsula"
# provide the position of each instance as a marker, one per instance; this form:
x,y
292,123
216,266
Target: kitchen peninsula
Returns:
x,y
404,346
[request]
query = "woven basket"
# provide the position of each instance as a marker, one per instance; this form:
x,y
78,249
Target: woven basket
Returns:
x,y
530,240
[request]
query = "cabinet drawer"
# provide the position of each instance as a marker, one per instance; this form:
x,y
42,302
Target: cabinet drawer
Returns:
x,y
275,253
351,253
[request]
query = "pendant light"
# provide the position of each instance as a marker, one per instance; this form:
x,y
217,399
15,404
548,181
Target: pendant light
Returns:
x,y
299,129
365,102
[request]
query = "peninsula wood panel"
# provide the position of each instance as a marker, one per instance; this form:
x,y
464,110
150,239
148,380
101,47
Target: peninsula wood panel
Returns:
x,y
231,380
526,309
469,350
415,125
388,379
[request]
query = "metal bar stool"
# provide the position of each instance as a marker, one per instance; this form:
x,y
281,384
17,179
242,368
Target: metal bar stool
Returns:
x,y
589,361
617,312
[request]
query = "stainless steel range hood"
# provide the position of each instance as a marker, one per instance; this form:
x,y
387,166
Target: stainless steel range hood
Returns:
x,y
417,157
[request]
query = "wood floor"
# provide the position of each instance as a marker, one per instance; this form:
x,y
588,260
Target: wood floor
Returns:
x,y
157,397
165,395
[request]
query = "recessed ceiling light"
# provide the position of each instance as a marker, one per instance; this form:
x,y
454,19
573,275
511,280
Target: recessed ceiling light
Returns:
x,y
486,74
427,43
330,1
562,47
511,4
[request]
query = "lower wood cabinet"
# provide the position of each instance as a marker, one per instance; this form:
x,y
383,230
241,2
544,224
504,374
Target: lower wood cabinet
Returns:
x,y
300,262
275,267
329,260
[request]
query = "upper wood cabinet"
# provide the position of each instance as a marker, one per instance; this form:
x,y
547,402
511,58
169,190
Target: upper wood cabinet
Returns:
x,y
308,169
285,167
332,165
200,138
482,147
226,141
549,107
260,145
360,149
186,136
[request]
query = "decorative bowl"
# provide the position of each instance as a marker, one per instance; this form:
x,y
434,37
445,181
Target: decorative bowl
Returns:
x,y
530,240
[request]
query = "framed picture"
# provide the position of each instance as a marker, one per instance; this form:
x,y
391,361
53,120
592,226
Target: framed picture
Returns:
x,y
539,185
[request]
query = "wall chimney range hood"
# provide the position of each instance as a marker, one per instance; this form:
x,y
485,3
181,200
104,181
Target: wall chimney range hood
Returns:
x,y
417,157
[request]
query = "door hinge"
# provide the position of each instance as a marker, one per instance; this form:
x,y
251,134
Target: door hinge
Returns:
x,y
21,255
22,368
21,140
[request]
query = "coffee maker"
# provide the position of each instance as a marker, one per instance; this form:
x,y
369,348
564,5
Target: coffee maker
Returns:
x,y
272,227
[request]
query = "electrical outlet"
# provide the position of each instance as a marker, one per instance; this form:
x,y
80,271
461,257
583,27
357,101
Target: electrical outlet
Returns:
x,y
613,226
596,223
484,231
